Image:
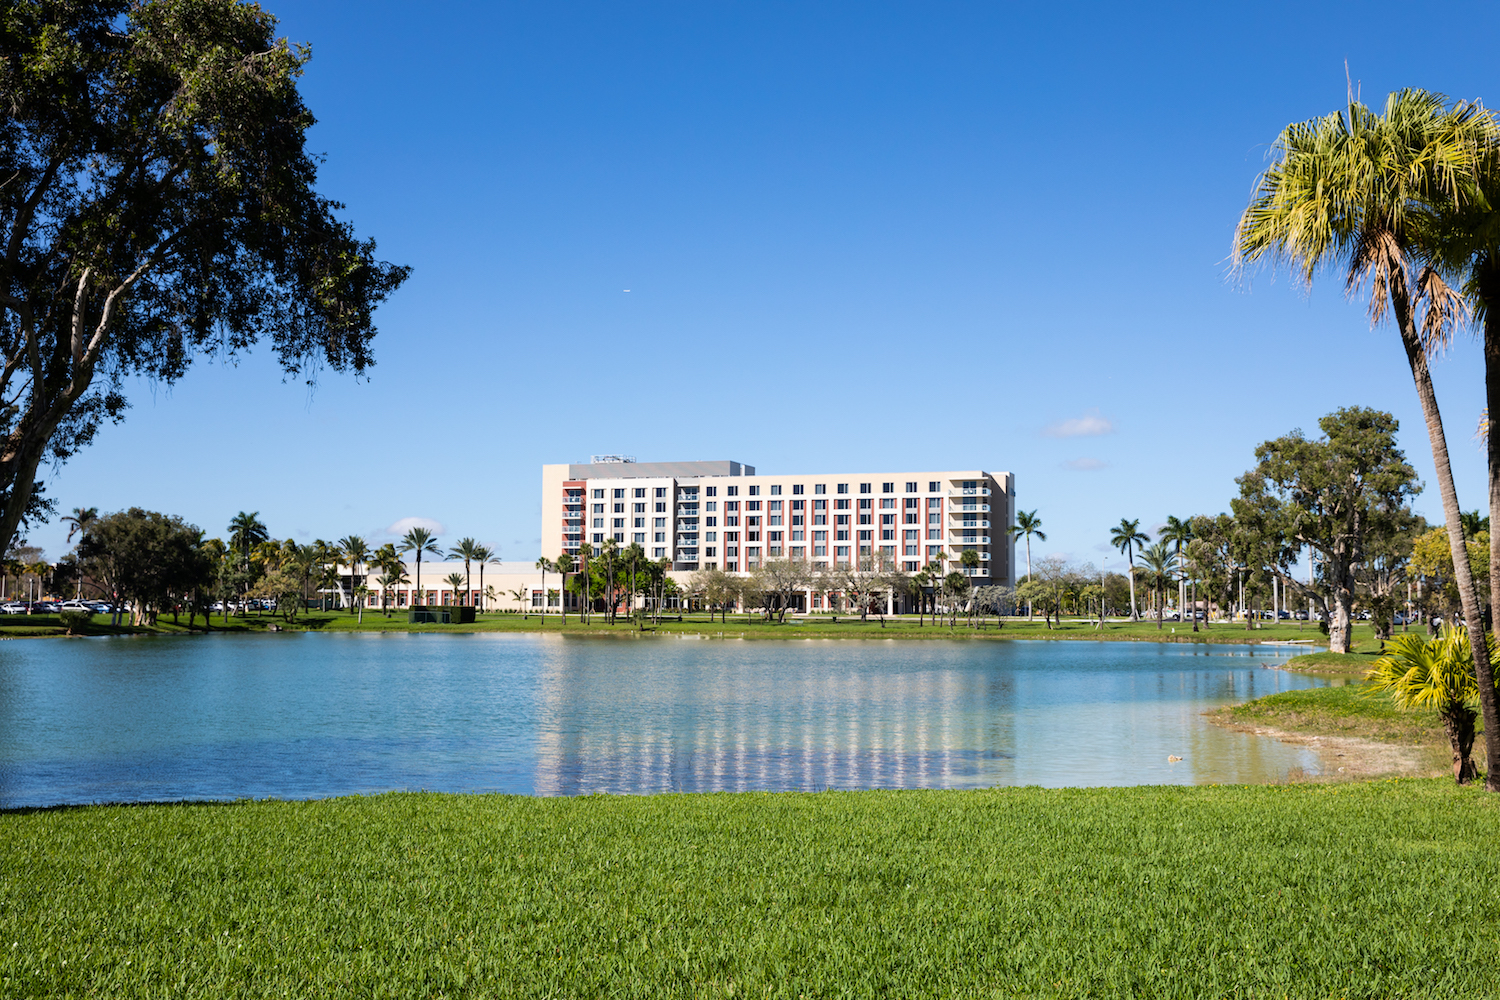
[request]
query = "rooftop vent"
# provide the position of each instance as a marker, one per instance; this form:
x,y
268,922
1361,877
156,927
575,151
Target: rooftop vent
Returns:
x,y
610,459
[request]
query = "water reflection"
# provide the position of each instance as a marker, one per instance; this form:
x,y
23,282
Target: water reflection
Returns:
x,y
317,715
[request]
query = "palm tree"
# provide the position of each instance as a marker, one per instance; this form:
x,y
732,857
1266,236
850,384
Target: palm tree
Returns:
x,y
1179,532
1125,537
632,556
468,550
545,565
1359,192
1028,524
245,532
585,553
78,524
1160,566
353,551
455,582
421,541
609,552
1434,673
483,554
391,579
522,598
563,565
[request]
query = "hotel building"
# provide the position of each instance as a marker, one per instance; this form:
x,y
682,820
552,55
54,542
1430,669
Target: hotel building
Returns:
x,y
722,515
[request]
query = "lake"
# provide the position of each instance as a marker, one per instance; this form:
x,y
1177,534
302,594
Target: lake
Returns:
x,y
308,715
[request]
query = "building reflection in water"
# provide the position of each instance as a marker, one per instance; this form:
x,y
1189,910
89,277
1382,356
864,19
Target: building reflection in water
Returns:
x,y
696,716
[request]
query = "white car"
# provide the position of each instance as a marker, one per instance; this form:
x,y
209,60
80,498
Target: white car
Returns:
x,y
75,606
13,608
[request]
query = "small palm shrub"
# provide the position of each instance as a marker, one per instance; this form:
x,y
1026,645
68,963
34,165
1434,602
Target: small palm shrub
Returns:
x,y
1435,673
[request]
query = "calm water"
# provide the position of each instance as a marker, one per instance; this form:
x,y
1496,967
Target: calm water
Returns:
x,y
304,716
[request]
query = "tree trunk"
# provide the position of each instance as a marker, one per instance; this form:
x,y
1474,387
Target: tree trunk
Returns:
x,y
1489,290
1459,721
1130,575
1462,573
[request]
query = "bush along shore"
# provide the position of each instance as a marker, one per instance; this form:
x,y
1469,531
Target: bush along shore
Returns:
x,y
699,624
1347,890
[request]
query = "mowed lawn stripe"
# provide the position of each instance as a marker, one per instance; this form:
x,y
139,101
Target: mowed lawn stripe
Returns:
x,y
1367,890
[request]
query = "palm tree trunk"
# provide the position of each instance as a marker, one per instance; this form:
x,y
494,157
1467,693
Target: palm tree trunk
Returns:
x,y
1463,575
1489,286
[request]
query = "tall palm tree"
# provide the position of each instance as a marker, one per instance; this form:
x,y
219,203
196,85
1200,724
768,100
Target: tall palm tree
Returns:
x,y
609,552
1360,193
1159,566
468,550
585,553
482,554
563,564
545,565
78,522
1028,524
421,541
1178,533
631,557
245,532
353,552
1125,537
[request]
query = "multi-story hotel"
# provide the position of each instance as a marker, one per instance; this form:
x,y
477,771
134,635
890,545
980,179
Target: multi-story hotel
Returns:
x,y
722,515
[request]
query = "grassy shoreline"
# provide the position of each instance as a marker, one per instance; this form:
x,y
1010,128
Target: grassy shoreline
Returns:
x,y
1368,890
738,626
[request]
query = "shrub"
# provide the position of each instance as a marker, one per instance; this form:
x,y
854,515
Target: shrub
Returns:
x,y
75,620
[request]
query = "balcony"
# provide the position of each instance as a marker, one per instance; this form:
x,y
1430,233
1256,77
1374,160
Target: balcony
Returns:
x,y
969,491
971,523
975,540
969,505
684,496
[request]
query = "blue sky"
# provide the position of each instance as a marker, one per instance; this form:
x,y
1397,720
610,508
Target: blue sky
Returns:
x,y
854,236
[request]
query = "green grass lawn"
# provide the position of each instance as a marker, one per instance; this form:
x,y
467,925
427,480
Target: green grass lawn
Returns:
x,y
738,626
1347,710
1385,889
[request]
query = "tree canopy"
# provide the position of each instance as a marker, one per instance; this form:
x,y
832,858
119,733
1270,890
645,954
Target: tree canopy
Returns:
x,y
157,203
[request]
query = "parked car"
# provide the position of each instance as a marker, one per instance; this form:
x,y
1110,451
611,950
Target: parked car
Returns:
x,y
14,608
75,606
44,608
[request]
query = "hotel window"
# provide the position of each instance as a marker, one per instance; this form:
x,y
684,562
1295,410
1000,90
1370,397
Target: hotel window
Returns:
x,y
933,487
620,494
797,489
752,536
799,505
887,487
639,537
820,536
710,536
909,550
658,522
911,536
598,494
661,491
619,522
841,535
798,536
864,550
752,505
598,508
910,518
598,538
660,536
711,491
619,536
773,505
773,536
799,519
619,508
730,551
841,505
843,487
774,519
731,536
934,552
912,503
887,518
864,487
841,519
731,521
661,508
934,518
841,552
936,503
887,535
820,519
776,491
820,550
731,506
710,552
865,504
867,536
640,508
639,522
660,553
911,487
598,522
799,551
755,491
934,535
820,488
867,519
731,491
709,522
820,505
640,491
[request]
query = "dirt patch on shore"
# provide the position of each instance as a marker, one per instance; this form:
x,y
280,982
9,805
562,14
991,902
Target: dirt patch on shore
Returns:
x,y
1353,758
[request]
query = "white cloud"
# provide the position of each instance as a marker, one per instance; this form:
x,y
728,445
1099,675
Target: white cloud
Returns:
x,y
404,525
1091,424
1085,464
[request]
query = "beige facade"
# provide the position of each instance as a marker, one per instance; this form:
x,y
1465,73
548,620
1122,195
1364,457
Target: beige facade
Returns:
x,y
722,515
